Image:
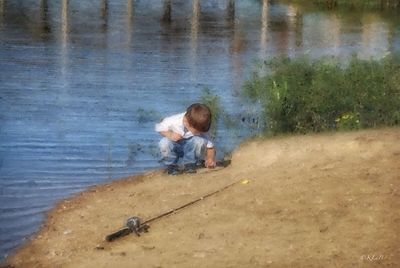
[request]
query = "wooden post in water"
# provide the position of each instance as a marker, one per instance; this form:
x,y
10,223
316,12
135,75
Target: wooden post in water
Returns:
x,y
43,9
331,3
104,14
63,97
385,4
231,10
298,29
194,33
237,45
129,21
44,18
167,11
129,10
64,23
195,22
264,29
2,7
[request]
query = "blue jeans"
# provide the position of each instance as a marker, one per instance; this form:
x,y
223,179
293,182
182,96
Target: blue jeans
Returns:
x,y
185,151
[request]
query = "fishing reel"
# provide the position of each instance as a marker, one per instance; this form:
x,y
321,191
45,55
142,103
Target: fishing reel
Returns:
x,y
133,225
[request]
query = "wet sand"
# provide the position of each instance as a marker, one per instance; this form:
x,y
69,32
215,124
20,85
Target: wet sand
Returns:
x,y
329,200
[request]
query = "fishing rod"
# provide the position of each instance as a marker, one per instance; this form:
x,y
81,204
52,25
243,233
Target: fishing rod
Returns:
x,y
188,204
135,225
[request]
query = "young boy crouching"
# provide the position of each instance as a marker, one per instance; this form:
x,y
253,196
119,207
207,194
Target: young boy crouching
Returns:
x,y
184,143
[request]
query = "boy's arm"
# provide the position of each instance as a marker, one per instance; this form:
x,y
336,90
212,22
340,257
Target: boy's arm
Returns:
x,y
165,128
171,135
210,158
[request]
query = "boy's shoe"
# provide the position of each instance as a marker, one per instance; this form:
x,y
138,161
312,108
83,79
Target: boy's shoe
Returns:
x,y
223,163
200,163
173,170
219,163
190,168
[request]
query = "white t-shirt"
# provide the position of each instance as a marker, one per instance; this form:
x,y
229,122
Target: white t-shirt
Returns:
x,y
175,123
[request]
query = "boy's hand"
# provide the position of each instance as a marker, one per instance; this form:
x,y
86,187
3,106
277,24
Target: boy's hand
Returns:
x,y
210,158
210,163
174,136
171,135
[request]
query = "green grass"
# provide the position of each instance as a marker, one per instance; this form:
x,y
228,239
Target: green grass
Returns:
x,y
303,95
357,3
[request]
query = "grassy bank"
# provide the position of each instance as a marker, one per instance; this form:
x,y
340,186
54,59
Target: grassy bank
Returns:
x,y
303,95
357,4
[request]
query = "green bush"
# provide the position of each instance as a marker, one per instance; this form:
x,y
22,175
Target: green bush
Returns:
x,y
302,95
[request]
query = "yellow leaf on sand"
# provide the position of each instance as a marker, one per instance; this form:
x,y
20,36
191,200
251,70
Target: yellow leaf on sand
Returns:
x,y
244,181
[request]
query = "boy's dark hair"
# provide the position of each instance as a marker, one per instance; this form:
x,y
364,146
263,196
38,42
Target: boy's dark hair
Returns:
x,y
199,116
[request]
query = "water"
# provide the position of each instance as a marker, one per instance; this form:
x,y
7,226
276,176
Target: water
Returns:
x,y
84,82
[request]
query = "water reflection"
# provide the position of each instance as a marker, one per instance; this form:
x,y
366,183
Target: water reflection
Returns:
x,y
281,39
295,24
322,32
375,36
238,39
334,25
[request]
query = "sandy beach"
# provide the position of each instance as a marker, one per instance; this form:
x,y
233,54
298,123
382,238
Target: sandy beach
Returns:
x,y
327,200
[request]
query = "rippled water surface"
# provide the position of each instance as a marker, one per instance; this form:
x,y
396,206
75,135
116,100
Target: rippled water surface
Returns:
x,y
83,82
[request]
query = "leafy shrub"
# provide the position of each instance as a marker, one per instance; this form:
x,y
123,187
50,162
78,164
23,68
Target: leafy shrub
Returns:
x,y
303,95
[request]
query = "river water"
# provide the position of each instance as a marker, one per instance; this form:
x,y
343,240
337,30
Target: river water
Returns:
x,y
82,83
